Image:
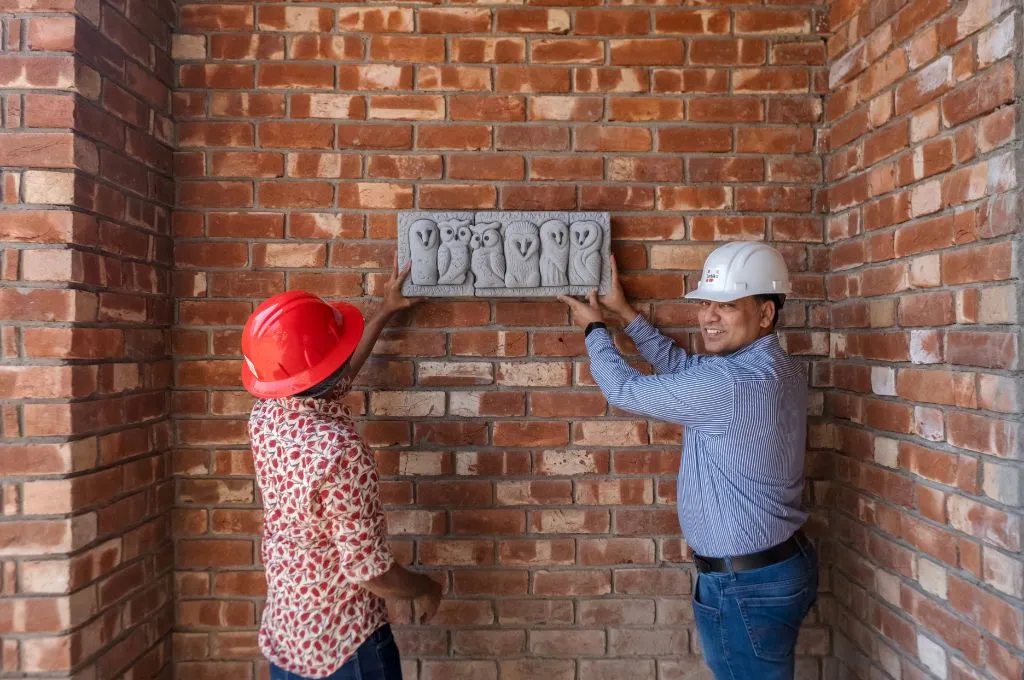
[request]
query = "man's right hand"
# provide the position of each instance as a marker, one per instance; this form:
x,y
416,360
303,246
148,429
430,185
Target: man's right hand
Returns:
x,y
400,583
427,603
615,301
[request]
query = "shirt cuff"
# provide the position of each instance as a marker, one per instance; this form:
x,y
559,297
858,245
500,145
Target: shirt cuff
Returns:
x,y
370,567
639,327
594,325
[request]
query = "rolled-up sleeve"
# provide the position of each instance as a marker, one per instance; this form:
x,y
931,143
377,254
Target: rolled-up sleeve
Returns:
x,y
350,498
698,395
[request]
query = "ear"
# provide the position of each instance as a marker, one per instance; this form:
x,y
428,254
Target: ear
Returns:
x,y
767,313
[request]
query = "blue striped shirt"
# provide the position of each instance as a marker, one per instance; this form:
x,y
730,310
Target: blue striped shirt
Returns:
x,y
745,419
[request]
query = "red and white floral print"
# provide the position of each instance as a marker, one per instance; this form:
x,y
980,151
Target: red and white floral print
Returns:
x,y
324,533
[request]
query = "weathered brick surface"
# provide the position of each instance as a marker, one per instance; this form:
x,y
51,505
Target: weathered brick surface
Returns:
x,y
299,131
505,474
87,189
922,169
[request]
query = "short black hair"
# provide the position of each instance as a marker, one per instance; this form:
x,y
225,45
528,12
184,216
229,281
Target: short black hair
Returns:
x,y
777,300
324,386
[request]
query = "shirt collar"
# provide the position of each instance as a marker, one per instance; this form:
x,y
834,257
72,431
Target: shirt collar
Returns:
x,y
329,404
767,343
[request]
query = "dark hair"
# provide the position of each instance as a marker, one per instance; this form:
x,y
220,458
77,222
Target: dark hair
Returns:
x,y
324,386
777,300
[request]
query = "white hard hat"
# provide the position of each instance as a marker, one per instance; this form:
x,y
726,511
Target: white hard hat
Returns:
x,y
739,269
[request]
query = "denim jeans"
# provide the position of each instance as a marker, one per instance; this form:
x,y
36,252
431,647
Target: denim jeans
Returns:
x,y
376,659
748,621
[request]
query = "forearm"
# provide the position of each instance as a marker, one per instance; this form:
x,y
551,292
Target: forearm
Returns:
x,y
607,367
371,332
664,355
399,583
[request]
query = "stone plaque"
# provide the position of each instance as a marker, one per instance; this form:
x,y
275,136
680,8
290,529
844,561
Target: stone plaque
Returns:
x,y
504,254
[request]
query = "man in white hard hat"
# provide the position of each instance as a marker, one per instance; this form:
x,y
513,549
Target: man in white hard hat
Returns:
x,y
743,405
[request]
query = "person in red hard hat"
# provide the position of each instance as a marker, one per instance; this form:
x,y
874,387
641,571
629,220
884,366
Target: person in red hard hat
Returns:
x,y
328,564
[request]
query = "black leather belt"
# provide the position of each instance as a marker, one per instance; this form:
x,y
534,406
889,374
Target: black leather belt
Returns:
x,y
773,555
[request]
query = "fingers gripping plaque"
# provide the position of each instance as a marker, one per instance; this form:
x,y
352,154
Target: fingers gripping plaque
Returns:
x,y
504,254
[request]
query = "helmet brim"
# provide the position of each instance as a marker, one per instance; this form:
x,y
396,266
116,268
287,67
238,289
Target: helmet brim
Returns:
x,y
726,296
711,296
351,333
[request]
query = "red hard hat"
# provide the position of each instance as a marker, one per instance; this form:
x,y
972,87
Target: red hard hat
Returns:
x,y
295,341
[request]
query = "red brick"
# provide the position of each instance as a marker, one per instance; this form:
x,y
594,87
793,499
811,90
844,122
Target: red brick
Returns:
x,y
566,51
928,309
455,196
532,138
39,150
916,15
240,105
231,47
533,197
727,52
610,138
464,107
295,76
612,22
773,21
692,22
406,48
453,137
645,169
215,134
488,50
486,167
566,168
376,20
454,78
531,79
532,20
981,263
774,141
646,52
375,77
611,80
455,20
645,109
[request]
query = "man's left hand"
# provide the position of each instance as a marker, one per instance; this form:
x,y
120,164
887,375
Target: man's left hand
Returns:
x,y
584,314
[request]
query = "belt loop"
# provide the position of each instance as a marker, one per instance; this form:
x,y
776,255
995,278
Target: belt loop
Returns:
x,y
801,542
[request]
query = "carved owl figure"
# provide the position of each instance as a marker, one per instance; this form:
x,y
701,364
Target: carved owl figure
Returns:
x,y
424,241
522,255
453,253
585,253
554,253
488,259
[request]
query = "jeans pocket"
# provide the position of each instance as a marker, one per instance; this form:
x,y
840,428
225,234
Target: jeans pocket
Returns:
x,y
390,659
773,623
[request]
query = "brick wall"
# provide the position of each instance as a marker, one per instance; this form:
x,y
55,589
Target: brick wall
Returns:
x,y
303,128
922,163
84,310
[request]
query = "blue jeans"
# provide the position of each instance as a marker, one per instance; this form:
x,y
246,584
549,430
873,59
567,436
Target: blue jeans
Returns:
x,y
376,659
748,621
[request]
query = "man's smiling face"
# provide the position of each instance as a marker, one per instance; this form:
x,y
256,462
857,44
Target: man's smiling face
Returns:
x,y
730,326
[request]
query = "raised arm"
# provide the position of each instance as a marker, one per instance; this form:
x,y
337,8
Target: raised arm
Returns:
x,y
660,351
700,399
393,302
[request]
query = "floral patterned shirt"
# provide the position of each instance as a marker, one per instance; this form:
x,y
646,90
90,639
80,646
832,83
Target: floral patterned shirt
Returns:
x,y
324,532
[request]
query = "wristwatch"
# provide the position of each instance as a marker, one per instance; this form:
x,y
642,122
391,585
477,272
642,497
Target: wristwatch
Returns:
x,y
592,325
